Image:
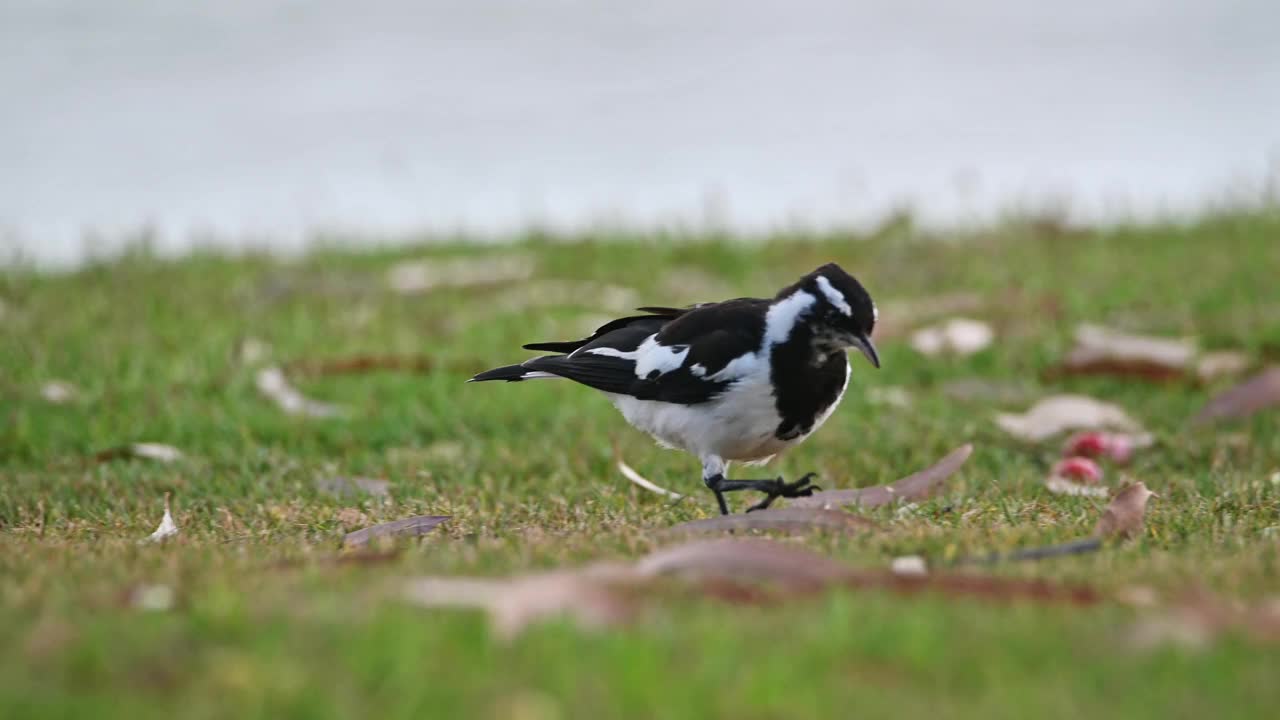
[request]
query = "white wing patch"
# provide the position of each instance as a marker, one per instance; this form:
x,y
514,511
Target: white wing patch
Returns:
x,y
697,370
834,296
650,356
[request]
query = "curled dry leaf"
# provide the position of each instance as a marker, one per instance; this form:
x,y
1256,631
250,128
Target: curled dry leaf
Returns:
x,y
347,486
629,473
272,383
58,392
408,527
788,519
1076,476
1124,515
1103,351
1257,393
420,276
1058,413
958,336
141,451
917,486
167,528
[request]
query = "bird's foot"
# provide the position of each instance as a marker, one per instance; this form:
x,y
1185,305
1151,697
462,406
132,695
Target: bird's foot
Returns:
x,y
803,487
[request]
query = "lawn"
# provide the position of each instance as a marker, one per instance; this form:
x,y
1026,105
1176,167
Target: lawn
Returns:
x,y
258,614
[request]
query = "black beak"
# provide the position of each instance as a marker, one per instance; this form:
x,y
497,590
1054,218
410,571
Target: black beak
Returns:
x,y
867,348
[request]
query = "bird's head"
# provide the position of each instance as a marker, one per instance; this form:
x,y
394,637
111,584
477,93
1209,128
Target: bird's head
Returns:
x,y
842,315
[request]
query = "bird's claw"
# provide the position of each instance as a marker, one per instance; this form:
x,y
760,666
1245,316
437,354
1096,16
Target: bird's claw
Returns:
x,y
803,487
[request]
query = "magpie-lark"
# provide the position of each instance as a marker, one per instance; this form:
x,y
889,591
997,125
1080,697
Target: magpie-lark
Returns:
x,y
739,380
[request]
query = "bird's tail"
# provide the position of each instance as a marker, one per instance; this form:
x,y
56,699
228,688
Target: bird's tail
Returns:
x,y
511,373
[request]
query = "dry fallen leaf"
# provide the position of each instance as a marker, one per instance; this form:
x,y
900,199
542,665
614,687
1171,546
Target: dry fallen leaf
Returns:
x,y
958,336
1058,413
788,519
168,528
629,473
752,559
272,383
1124,515
917,486
413,526
1257,393
1103,351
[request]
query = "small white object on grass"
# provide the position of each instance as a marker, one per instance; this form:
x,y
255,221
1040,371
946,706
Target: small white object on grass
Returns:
x,y
58,392
910,566
156,451
273,384
629,473
960,336
168,528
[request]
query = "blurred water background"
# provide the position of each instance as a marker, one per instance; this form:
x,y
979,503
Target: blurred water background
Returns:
x,y
271,122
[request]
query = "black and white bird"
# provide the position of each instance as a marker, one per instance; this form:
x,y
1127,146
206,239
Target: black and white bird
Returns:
x,y
739,380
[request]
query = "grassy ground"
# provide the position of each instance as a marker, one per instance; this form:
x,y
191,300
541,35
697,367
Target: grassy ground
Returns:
x,y
264,625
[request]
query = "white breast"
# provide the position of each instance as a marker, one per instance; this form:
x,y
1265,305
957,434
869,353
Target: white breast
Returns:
x,y
738,425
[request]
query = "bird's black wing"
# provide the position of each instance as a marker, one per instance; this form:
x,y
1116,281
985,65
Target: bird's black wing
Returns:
x,y
660,315
664,359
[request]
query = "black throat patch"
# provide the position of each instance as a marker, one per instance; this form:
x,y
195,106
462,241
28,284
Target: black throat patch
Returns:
x,y
806,381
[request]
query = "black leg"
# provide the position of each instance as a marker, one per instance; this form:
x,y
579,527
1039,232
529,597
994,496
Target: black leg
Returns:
x,y
773,489
714,482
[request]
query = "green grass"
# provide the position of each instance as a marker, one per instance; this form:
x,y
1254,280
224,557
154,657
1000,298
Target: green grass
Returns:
x,y
263,626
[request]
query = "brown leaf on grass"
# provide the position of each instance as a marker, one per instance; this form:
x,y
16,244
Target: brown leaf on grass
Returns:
x,y
1255,394
1104,351
140,451
796,570
273,384
1058,413
917,486
360,364
787,519
751,559
348,486
1124,515
408,527
591,596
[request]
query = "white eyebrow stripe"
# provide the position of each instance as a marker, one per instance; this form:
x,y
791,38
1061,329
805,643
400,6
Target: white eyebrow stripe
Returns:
x,y
834,296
